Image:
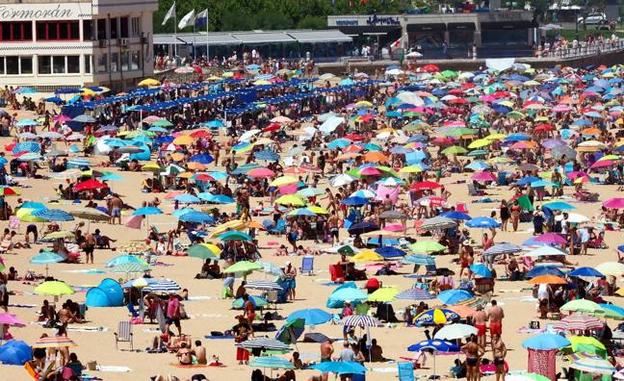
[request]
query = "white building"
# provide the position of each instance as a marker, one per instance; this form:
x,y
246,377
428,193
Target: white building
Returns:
x,y
49,44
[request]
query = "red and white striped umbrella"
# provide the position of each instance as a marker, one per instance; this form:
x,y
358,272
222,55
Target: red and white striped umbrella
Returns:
x,y
578,322
54,342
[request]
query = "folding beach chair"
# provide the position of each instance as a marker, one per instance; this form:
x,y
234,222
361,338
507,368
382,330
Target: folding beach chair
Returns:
x,y
406,371
307,265
124,334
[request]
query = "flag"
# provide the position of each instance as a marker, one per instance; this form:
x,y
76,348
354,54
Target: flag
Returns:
x,y
170,13
397,43
187,20
202,19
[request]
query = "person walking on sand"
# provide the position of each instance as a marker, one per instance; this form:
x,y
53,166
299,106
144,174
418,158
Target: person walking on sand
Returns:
x,y
499,351
480,320
473,353
495,315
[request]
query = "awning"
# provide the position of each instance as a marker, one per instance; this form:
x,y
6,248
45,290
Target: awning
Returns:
x,y
197,38
262,38
507,25
426,27
166,39
313,37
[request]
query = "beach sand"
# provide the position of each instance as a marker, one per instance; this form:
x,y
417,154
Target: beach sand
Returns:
x,y
213,314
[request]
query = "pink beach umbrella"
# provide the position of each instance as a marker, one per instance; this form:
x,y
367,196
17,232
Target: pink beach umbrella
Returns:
x,y
484,176
394,228
383,190
261,173
288,189
11,320
370,171
614,203
551,239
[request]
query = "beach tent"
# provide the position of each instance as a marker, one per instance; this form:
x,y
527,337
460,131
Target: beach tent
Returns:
x,y
107,294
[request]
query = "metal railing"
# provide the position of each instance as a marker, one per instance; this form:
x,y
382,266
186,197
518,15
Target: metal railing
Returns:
x,y
583,49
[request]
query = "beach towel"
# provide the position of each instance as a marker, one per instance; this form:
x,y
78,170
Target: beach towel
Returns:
x,y
543,362
218,337
134,222
88,329
113,369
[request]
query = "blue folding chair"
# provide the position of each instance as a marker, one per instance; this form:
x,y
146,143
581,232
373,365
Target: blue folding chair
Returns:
x,y
307,265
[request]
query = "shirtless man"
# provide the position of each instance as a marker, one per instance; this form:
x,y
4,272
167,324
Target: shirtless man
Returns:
x,y
332,223
480,318
200,353
89,247
495,315
500,351
327,350
473,353
115,205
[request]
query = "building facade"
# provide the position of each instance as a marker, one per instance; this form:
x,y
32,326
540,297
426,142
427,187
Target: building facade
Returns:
x,y
48,44
438,34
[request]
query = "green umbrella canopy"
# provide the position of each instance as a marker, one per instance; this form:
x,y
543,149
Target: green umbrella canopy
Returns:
x,y
426,247
204,251
243,267
54,288
454,150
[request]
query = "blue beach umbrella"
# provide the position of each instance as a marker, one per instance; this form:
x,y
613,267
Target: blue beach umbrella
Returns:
x,y
15,352
455,215
483,223
454,296
419,259
123,259
390,252
234,235
545,342
544,270
187,198
46,257
202,158
443,346
55,215
311,316
340,367
588,272
480,270
558,205
271,362
147,211
414,294
197,217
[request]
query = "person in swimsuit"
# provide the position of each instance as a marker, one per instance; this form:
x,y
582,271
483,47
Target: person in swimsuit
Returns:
x,y
500,351
479,319
495,315
473,353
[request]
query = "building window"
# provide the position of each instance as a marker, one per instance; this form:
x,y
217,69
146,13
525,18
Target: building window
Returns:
x,y
58,64
136,26
44,64
87,63
26,65
135,60
114,64
73,64
87,30
102,63
114,31
12,65
15,31
124,33
125,61
1,65
101,29
58,30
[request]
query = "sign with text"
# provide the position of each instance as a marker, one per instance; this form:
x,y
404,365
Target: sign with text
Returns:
x,y
38,12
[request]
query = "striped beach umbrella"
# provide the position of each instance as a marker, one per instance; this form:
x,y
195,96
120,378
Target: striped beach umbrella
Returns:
x,y
129,268
503,248
578,322
591,364
437,223
264,343
163,286
271,362
414,294
360,321
54,342
55,215
265,285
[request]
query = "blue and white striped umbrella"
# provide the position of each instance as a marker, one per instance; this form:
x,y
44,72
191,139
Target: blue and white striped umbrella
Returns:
x,y
414,294
163,285
266,343
129,268
262,285
503,248
419,259
591,364
27,147
56,215
271,362
360,321
77,163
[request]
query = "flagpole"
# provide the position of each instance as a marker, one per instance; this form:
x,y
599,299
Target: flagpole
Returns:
x,y
175,32
207,40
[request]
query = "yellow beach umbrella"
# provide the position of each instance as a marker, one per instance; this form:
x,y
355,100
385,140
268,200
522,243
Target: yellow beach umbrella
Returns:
x,y
183,140
367,256
383,295
479,143
284,180
495,136
291,200
411,169
150,167
149,82
318,209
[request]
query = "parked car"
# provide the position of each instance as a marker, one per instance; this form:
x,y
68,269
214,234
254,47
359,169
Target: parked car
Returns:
x,y
593,19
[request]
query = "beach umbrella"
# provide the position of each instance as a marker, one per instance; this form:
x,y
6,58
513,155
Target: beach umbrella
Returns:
x,y
578,322
271,362
455,215
90,184
419,259
455,331
544,270
437,346
234,235
342,295
84,119
54,288
257,301
437,223
591,364
588,272
264,343
124,259
525,377
362,321
129,268
11,320
243,267
291,331
436,316
270,268
46,258
56,215
425,185
383,295
204,251
187,198
367,255
339,367
558,205
163,286
550,239
582,305
483,223
426,247
148,82
544,251
15,352
547,279
503,248
264,285
414,294
362,227
614,203
480,270
290,200
483,176
311,316
389,252
454,296
611,268
147,211
197,217
546,342
54,342
612,311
